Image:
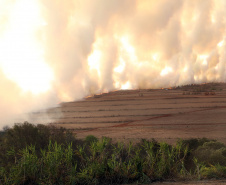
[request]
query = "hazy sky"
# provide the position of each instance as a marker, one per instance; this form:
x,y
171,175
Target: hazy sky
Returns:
x,y
53,51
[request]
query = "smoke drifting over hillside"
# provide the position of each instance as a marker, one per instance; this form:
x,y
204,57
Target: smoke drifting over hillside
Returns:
x,y
100,45
74,48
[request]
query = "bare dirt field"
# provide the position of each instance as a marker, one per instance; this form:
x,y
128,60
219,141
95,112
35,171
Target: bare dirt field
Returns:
x,y
193,111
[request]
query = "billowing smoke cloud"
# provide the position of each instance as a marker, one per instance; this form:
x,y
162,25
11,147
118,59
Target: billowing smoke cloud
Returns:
x,y
100,45
95,46
15,103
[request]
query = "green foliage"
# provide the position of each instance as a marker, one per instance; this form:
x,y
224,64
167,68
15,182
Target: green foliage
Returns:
x,y
194,143
55,166
23,135
164,161
90,138
211,152
214,171
31,160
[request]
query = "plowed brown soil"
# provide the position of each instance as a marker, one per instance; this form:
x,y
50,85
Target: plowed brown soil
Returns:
x,y
193,111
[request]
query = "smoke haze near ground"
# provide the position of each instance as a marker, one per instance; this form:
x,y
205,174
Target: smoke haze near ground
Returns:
x,y
74,48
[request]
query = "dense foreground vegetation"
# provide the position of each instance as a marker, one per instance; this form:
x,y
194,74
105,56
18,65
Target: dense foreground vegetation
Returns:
x,y
42,154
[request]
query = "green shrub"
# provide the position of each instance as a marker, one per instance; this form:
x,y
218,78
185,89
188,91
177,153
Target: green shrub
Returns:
x,y
213,145
22,135
56,165
46,156
214,171
90,138
211,152
194,143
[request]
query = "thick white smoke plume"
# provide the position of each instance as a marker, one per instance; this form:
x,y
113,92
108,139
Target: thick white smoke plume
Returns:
x,y
100,45
90,46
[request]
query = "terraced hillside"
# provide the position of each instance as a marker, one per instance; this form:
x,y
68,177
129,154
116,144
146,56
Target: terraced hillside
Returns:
x,y
164,114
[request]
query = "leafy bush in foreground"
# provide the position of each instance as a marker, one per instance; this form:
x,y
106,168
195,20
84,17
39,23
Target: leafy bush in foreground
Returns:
x,y
93,161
